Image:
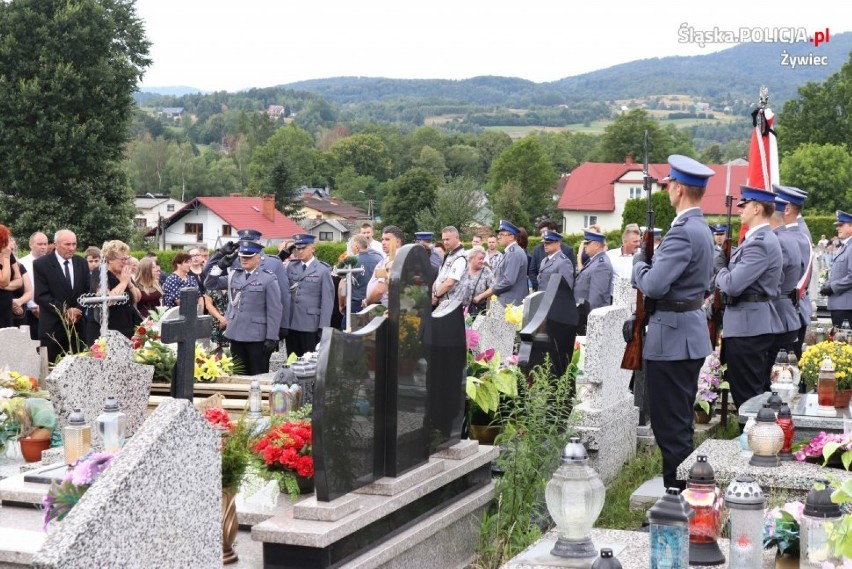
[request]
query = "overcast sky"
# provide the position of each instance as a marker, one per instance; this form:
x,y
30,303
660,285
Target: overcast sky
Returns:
x,y
260,43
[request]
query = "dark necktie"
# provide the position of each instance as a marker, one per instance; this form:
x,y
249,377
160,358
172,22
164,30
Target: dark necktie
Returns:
x,y
304,267
68,274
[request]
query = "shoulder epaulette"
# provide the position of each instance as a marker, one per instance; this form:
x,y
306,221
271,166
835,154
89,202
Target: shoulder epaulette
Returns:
x,y
267,271
601,259
680,222
324,263
759,236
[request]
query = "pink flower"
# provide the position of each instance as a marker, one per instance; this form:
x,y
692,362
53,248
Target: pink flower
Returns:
x,y
795,509
486,356
512,360
472,337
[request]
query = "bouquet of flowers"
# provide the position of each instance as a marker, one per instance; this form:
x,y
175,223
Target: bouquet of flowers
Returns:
x,y
99,349
149,350
236,438
840,354
781,528
285,450
824,446
62,496
23,408
710,382
209,366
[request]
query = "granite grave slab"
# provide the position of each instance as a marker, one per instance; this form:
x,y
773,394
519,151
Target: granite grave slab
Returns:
x,y
494,331
19,352
807,417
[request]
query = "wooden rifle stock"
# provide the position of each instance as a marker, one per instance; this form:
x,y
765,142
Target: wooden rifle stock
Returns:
x,y
632,358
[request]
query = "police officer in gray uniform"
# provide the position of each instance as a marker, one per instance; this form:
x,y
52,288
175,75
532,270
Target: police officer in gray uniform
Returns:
x,y
787,302
594,279
312,296
254,306
797,228
427,239
750,282
555,261
267,262
838,289
677,338
510,282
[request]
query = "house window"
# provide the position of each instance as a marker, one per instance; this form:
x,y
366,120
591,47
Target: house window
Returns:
x,y
140,223
170,207
326,236
589,220
226,231
177,247
194,228
635,192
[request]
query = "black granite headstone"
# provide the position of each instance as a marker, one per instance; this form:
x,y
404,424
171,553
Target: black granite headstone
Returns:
x,y
185,330
406,393
447,357
364,317
348,410
552,329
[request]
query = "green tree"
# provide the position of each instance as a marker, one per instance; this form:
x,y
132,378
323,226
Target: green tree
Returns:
x,y
433,161
281,166
491,144
365,153
409,194
625,137
67,74
463,160
508,203
636,211
458,202
824,171
525,163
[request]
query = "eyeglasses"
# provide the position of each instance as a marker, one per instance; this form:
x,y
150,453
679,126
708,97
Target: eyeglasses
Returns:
x,y
122,259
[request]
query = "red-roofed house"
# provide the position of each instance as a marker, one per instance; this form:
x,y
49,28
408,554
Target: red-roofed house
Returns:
x,y
596,192
213,220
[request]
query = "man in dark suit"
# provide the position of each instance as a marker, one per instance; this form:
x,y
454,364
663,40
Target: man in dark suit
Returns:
x,y
59,280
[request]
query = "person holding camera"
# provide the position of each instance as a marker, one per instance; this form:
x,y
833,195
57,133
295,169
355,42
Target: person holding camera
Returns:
x,y
254,312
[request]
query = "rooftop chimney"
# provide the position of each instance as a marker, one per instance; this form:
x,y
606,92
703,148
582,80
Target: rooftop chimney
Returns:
x,y
628,159
268,207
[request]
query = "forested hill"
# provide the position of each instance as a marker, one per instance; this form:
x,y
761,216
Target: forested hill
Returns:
x,y
734,73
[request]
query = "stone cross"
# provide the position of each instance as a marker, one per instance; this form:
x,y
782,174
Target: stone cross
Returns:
x,y
103,298
185,330
349,271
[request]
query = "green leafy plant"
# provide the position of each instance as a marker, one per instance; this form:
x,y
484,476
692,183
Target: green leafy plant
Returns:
x,y
781,528
487,379
840,533
537,428
236,437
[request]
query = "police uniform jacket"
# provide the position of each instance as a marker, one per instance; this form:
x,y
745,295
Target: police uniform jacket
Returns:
x,y
594,281
681,268
804,228
271,264
840,279
792,269
794,232
511,280
754,269
312,295
558,264
254,304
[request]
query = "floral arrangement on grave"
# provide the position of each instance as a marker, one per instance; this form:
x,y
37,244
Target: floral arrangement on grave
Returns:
x,y
781,528
24,409
840,354
840,535
98,350
514,315
62,496
488,381
710,382
150,350
409,334
236,439
831,449
284,452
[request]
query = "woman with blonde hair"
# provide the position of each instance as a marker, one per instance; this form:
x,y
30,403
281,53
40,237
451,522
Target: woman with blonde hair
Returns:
x,y
119,281
148,280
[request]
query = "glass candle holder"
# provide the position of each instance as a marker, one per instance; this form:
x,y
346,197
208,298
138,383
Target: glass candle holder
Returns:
x,y
826,384
668,531
705,526
765,439
813,532
745,500
111,425
785,421
76,437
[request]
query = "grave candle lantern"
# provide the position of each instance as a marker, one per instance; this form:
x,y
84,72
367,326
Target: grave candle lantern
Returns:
x,y
794,368
705,526
785,421
574,497
111,425
606,561
255,401
826,386
744,499
782,378
668,531
278,402
774,401
765,439
76,437
819,511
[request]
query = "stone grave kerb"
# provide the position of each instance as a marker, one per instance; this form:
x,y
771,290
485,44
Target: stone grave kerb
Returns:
x,y
623,293
185,330
85,382
602,380
19,352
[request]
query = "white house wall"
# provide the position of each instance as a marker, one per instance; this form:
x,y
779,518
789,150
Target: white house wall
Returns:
x,y
212,224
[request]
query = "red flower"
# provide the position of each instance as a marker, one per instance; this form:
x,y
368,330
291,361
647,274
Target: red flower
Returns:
x,y
287,446
305,467
218,418
141,331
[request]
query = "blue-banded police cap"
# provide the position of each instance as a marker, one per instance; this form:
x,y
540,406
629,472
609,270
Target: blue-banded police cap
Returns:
x,y
249,234
249,248
593,236
719,228
506,225
843,217
755,195
551,236
780,203
302,240
689,171
424,236
790,194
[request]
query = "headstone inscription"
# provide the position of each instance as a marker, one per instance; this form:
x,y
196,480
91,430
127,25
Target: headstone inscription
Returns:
x,y
552,329
185,330
347,410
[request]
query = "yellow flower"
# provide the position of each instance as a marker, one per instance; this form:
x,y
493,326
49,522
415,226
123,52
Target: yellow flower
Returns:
x,y
514,315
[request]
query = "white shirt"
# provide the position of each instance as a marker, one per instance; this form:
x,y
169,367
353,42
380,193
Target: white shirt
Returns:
x,y
62,266
377,246
622,265
27,262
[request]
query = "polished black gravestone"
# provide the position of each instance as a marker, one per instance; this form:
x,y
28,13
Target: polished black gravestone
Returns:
x,y
551,330
446,376
185,330
347,414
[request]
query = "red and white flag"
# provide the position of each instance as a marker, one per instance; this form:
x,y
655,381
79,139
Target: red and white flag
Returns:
x,y
762,151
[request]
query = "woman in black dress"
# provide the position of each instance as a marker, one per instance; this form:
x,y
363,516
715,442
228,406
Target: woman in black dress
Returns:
x,y
116,253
